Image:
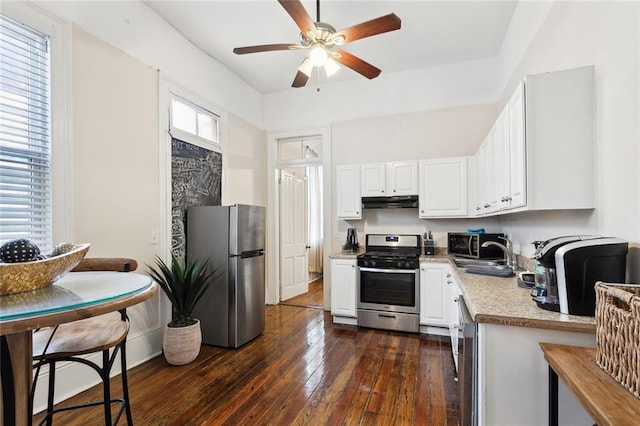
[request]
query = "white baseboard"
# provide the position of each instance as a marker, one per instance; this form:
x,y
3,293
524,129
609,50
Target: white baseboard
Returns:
x,y
438,331
344,320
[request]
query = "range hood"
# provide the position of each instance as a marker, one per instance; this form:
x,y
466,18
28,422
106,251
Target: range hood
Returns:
x,y
398,202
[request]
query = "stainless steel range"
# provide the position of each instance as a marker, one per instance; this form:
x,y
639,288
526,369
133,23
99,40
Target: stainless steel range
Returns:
x,y
389,283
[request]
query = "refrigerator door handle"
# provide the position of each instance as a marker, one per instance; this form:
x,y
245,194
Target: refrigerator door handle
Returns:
x,y
252,253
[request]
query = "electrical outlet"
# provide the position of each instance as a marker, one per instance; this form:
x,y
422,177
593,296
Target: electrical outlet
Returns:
x,y
155,238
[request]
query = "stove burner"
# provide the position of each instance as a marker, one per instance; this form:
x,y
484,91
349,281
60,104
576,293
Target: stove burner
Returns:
x,y
386,260
391,252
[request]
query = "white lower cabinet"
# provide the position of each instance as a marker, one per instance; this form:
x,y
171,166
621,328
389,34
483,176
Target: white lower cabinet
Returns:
x,y
512,381
453,318
343,287
434,278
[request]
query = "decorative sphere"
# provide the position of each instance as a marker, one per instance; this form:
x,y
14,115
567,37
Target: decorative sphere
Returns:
x,y
63,248
21,250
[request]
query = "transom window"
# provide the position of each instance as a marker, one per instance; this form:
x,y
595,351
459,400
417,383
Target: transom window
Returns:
x,y
188,120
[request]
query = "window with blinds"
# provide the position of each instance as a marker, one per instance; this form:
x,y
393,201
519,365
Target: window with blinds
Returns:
x,y
25,135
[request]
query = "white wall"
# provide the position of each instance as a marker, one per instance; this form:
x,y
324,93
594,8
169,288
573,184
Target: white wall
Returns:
x,y
245,163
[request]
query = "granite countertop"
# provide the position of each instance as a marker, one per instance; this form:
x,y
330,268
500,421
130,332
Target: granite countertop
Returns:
x,y
346,254
496,300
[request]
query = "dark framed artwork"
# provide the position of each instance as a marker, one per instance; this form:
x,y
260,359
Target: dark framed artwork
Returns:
x,y
196,180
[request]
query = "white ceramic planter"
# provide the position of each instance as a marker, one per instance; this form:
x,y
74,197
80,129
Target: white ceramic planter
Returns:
x,y
181,345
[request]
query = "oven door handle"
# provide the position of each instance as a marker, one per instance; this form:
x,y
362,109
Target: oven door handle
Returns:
x,y
389,271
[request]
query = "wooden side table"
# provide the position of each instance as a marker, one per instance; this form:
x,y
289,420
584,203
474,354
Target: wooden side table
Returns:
x,y
606,401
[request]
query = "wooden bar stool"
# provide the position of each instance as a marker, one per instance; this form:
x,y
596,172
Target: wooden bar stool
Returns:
x,y
68,342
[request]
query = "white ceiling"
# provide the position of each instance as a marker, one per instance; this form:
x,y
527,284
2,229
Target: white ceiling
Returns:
x,y
432,33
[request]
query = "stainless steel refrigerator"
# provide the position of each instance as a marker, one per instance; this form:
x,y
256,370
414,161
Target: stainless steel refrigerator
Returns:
x,y
232,310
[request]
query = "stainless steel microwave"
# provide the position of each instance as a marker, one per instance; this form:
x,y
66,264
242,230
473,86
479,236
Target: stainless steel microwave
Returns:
x,y
469,245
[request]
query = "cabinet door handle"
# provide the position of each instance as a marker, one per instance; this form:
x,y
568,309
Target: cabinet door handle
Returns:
x,y
455,299
448,275
449,281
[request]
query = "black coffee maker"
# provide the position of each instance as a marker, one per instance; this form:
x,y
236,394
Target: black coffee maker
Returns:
x,y
351,244
567,269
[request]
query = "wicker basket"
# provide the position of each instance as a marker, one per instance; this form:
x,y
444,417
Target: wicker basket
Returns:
x,y
618,333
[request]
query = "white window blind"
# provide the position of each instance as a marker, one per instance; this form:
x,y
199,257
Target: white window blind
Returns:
x,y
25,136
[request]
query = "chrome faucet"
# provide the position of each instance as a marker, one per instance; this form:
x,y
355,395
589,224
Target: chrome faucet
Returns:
x,y
507,248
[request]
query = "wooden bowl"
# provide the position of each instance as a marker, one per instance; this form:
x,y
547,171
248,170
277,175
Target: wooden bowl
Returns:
x,y
26,276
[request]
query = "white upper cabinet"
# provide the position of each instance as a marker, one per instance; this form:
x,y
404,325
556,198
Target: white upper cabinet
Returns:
x,y
500,200
517,195
348,201
389,179
373,179
403,177
443,187
539,155
560,140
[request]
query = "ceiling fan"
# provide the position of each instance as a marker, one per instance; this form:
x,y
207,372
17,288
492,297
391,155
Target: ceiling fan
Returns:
x,y
323,42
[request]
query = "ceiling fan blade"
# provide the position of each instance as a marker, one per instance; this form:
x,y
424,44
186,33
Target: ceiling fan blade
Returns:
x,y
300,80
380,25
356,64
296,10
264,48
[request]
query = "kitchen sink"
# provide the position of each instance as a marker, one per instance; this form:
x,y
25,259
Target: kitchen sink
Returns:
x,y
493,270
463,263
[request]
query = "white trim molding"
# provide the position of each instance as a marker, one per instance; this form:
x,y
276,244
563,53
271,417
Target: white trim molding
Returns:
x,y
273,214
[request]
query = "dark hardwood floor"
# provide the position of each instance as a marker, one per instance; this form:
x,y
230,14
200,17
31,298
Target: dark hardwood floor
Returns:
x,y
302,371
311,299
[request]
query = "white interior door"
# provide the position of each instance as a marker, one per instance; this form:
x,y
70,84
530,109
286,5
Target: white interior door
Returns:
x,y
294,269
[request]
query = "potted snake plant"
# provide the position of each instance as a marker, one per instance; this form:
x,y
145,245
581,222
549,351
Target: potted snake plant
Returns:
x,y
184,283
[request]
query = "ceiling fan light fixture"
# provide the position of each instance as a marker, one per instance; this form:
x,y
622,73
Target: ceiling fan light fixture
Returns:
x,y
339,40
331,67
306,67
318,56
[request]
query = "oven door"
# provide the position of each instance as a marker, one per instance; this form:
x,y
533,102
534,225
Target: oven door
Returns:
x,y
390,290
